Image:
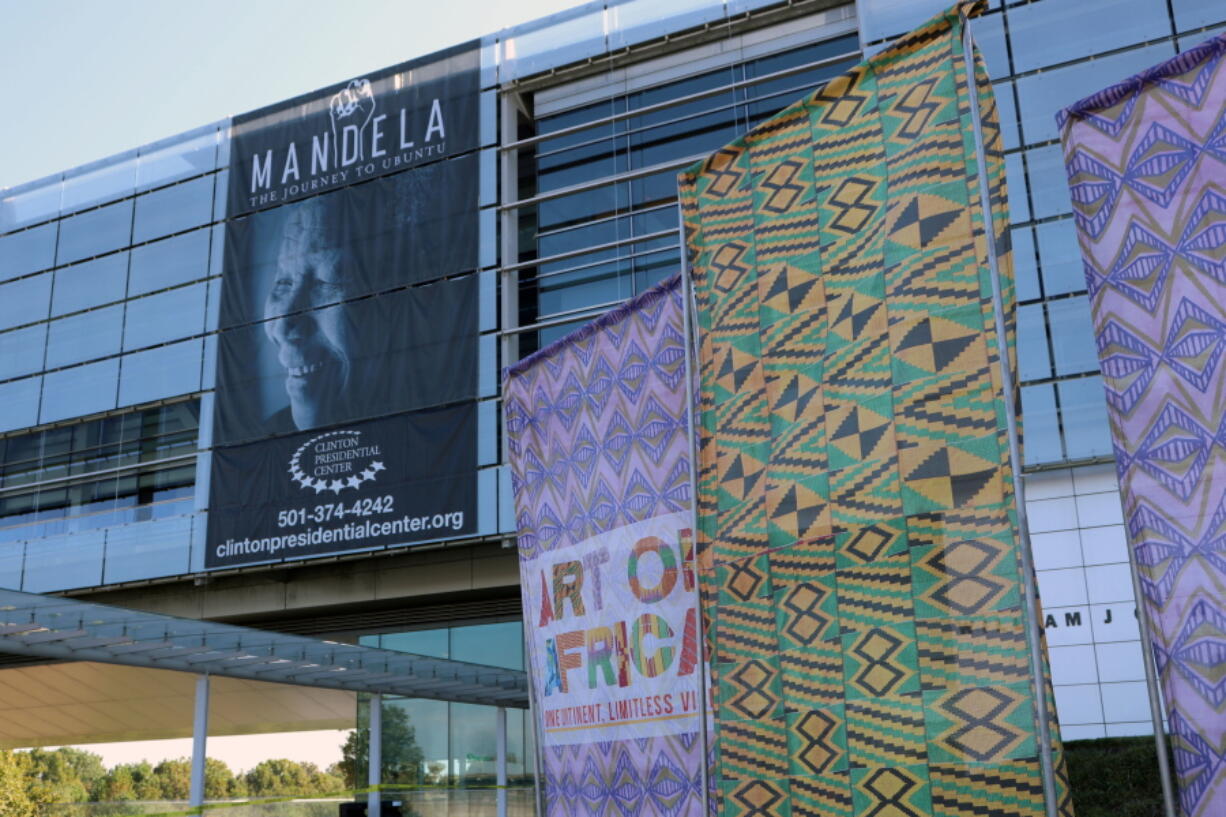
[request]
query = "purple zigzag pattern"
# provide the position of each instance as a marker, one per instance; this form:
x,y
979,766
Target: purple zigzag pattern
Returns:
x,y
1128,364
1158,174
593,404
1175,451
1162,549
1144,259
1194,345
1197,762
1200,651
596,428
1156,270
647,777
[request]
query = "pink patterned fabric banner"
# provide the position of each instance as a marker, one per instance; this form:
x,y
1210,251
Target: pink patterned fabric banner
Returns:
x,y
1146,161
600,466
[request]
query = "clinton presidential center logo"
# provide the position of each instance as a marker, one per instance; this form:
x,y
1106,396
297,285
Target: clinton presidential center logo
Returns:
x,y
335,461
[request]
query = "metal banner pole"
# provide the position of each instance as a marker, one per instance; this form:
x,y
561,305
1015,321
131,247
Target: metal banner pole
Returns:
x,y
374,770
691,336
1151,687
500,761
538,754
1030,605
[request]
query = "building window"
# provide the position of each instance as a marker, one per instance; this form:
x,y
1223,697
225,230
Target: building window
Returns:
x,y
129,467
454,744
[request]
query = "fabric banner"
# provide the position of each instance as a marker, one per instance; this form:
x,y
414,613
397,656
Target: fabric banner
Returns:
x,y
347,361
857,534
597,433
1146,161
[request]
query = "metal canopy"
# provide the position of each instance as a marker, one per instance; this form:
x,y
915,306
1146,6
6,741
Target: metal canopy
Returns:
x,y
67,629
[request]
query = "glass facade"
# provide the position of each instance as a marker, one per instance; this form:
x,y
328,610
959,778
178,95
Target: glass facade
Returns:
x,y
444,745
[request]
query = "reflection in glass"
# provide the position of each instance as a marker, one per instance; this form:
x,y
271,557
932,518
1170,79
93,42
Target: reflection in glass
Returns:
x,y
1062,265
1083,410
169,262
102,181
166,316
28,251
1025,265
1072,335
95,232
93,283
1048,182
179,157
30,203
80,390
173,209
1040,425
84,336
441,744
1033,361
562,38
21,350
1041,95
19,403
1052,33
161,372
25,300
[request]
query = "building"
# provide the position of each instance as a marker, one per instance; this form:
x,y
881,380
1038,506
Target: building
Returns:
x,y
112,326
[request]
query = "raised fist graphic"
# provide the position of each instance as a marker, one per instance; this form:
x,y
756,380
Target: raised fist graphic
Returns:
x,y
351,109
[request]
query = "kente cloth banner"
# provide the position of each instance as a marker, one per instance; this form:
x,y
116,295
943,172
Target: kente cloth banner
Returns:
x,y
597,431
1146,161
858,544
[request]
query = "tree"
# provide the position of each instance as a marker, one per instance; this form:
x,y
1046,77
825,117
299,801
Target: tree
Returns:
x,y
118,786
56,775
219,782
174,779
402,757
146,782
15,798
279,777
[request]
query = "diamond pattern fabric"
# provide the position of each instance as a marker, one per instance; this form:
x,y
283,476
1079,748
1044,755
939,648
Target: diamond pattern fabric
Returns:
x,y
1146,161
598,439
857,542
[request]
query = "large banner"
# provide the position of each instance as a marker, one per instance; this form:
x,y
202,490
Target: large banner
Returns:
x,y
854,491
347,351
600,459
1146,161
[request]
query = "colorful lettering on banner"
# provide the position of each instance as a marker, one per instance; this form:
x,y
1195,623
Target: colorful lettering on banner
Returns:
x,y
597,432
857,533
1146,161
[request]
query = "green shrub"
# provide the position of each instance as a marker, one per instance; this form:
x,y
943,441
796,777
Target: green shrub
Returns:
x,y
1115,777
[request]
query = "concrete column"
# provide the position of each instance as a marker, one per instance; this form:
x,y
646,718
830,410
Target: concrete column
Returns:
x,y
500,761
374,776
200,730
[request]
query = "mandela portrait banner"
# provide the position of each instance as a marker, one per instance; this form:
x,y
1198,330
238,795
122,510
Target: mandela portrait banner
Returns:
x,y
597,433
1146,161
344,414
855,496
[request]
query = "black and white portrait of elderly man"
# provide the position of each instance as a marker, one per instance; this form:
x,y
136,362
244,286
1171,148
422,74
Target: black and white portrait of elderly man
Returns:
x,y
328,319
308,321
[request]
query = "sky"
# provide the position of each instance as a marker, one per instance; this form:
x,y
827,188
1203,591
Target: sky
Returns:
x,y
86,79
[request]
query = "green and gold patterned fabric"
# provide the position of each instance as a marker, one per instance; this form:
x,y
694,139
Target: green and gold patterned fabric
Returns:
x,y
858,537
